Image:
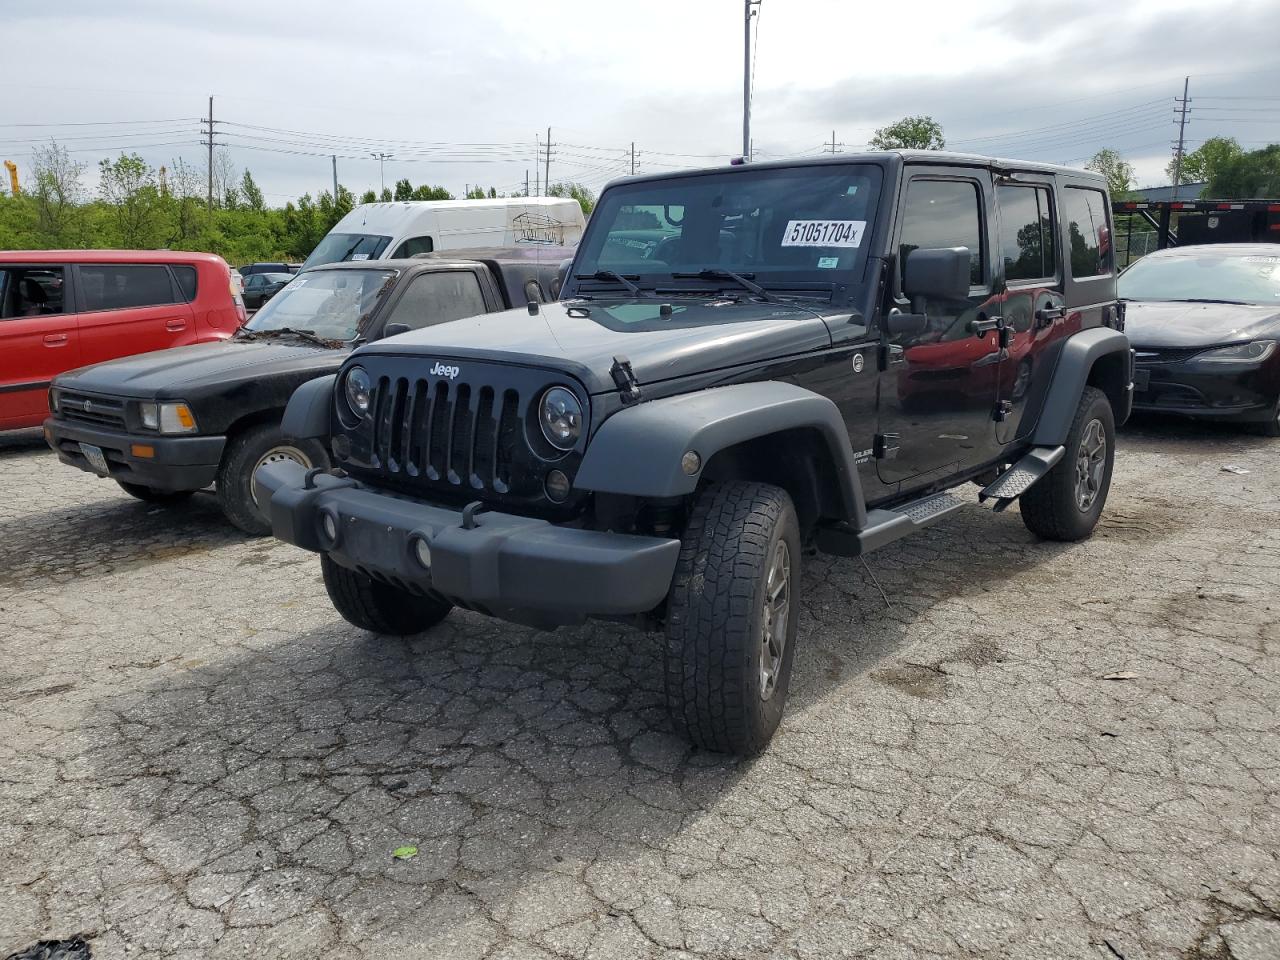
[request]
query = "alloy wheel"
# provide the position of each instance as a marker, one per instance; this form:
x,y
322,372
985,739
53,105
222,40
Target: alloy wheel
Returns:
x,y
1091,464
775,619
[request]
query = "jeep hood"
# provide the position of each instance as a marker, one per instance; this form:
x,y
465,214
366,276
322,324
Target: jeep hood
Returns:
x,y
1176,323
698,336
180,372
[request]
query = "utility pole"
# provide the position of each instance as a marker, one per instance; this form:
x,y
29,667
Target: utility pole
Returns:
x,y
208,141
537,168
832,144
526,181
546,184
633,158
749,7
382,158
334,158
1182,132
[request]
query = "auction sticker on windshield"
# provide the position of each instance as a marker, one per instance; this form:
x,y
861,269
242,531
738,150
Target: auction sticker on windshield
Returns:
x,y
823,233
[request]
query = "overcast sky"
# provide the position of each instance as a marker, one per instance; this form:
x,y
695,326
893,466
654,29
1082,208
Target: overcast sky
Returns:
x,y
458,92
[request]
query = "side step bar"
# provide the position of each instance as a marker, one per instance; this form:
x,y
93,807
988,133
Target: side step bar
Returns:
x,y
1019,478
885,526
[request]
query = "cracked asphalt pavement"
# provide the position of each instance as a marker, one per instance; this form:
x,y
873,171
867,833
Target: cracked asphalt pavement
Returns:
x,y
995,747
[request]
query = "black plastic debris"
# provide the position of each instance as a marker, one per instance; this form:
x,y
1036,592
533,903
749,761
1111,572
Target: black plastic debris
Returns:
x,y
76,948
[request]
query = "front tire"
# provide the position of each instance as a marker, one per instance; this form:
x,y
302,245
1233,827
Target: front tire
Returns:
x,y
1067,502
731,617
164,498
248,450
379,607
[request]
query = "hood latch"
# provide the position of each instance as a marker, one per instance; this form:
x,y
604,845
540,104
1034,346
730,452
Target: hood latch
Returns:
x,y
624,378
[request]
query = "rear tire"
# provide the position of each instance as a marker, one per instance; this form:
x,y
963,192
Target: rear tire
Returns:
x,y
245,452
1067,502
164,498
379,607
731,617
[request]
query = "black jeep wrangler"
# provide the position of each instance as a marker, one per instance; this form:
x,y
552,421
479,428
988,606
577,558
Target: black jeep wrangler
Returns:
x,y
793,353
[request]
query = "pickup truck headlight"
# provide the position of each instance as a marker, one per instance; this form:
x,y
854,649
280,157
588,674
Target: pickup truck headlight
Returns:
x,y
54,395
169,417
560,414
1253,352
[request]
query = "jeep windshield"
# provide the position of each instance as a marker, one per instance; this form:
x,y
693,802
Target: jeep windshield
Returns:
x,y
331,304
340,247
792,229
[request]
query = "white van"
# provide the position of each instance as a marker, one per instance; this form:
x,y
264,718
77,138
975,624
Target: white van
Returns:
x,y
385,231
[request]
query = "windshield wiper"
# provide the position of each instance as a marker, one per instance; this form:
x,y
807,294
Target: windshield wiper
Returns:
x,y
309,335
719,273
609,276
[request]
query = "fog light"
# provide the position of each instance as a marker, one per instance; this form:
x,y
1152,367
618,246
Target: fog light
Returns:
x,y
557,485
422,552
329,527
690,463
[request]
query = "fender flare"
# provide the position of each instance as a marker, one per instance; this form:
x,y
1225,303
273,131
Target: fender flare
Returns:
x,y
637,451
1071,375
306,416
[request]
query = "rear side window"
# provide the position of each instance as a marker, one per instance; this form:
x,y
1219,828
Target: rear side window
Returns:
x,y
943,213
31,292
1026,233
438,298
414,246
186,281
1088,231
111,286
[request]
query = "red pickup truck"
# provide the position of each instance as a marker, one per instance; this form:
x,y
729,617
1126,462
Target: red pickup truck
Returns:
x,y
64,309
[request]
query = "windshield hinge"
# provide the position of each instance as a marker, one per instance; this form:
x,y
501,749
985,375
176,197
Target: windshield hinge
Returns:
x,y
624,379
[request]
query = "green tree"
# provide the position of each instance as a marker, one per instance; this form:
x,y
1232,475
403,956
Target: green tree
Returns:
x,y
369,196
1207,159
476,193
586,199
1117,171
59,197
1250,175
425,192
910,133
253,197
128,188
185,205
404,190
386,196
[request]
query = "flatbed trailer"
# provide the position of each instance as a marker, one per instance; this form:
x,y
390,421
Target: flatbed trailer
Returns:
x,y
1185,222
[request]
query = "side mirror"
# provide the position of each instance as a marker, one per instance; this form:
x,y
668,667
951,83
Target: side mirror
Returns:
x,y
937,274
562,274
395,329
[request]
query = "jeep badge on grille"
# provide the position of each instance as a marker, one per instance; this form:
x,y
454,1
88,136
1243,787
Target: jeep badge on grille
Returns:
x,y
441,370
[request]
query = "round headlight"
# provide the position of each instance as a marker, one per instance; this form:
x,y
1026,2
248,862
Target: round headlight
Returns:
x,y
359,388
561,417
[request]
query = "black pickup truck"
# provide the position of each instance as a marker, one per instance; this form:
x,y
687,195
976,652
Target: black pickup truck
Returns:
x,y
164,425
745,361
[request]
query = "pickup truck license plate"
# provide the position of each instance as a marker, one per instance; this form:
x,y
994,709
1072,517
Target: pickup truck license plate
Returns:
x,y
95,457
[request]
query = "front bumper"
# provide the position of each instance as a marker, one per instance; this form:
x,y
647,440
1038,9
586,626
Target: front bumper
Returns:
x,y
513,567
1187,389
180,463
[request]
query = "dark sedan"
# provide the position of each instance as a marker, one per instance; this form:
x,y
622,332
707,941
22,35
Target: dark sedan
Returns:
x,y
1204,322
261,287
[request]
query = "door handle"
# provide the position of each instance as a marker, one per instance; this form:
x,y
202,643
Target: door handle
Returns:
x,y
175,325
55,340
980,328
1046,315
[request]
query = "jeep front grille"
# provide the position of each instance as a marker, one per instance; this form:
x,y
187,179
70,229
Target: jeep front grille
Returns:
x,y
445,431
474,436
